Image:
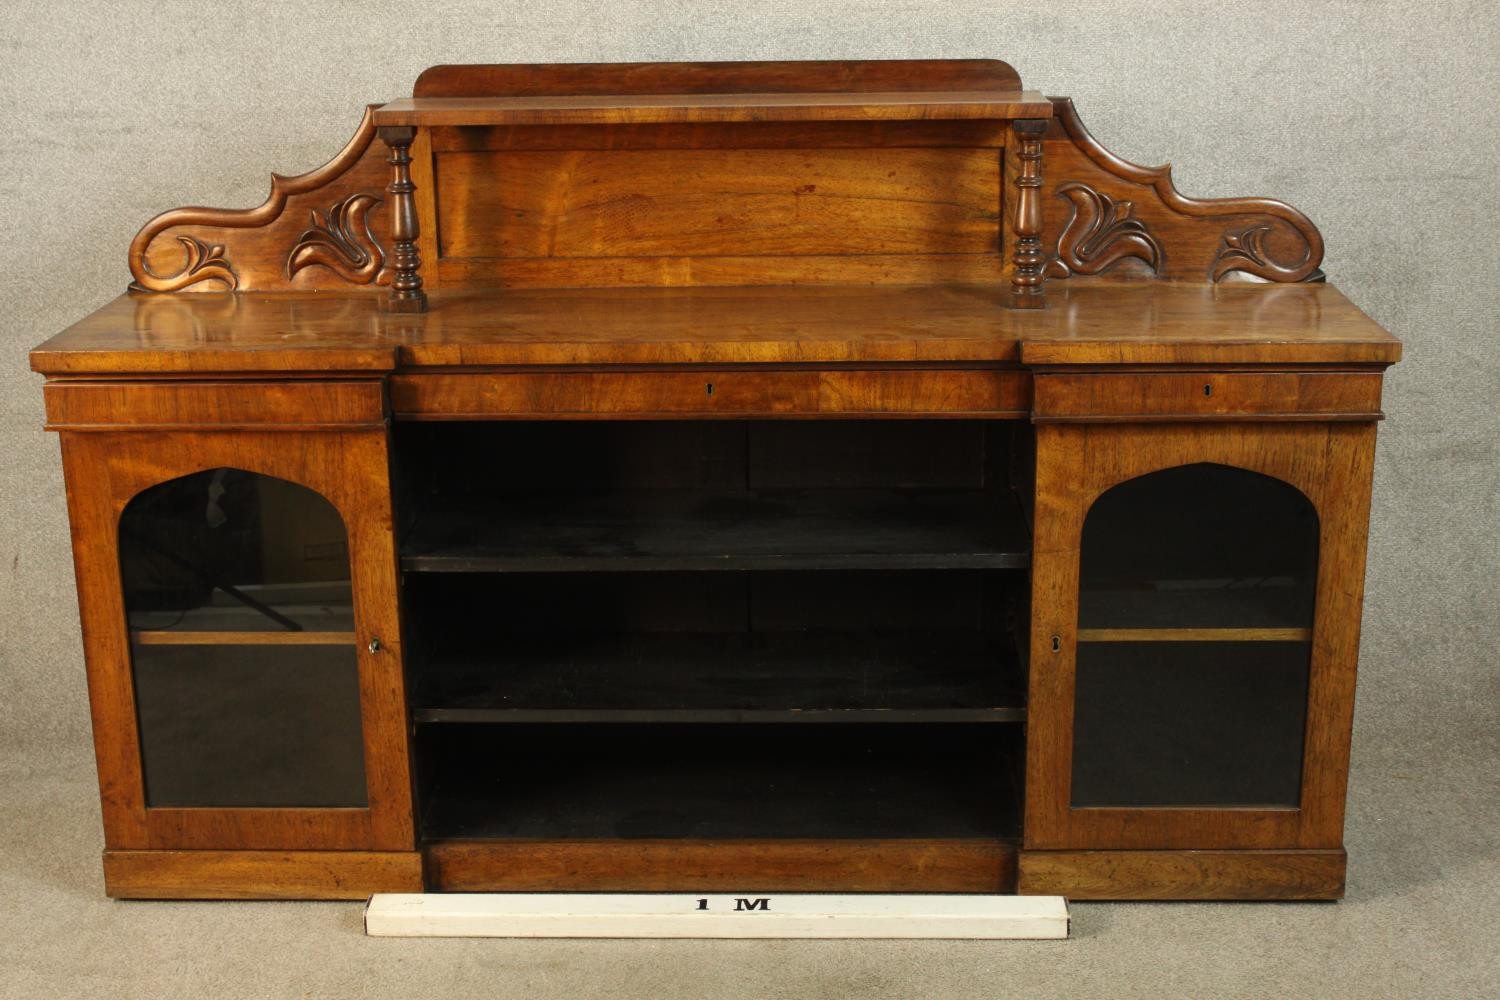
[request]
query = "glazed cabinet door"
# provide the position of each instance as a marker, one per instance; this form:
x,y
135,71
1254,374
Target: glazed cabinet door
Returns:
x,y
1196,603
238,593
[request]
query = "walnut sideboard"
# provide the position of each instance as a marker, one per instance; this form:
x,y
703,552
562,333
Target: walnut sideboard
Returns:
x,y
782,476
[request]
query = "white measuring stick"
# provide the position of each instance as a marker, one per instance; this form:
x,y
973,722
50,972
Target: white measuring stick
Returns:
x,y
717,915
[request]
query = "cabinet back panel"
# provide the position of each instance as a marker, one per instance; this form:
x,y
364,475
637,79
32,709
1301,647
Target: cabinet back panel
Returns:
x,y
726,205
488,458
479,609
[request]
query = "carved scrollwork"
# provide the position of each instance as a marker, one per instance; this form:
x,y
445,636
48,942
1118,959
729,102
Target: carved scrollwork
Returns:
x,y
205,262
258,237
1239,228
342,241
1244,252
1101,233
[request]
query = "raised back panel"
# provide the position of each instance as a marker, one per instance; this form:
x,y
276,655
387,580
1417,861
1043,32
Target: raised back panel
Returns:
x,y
716,205
706,204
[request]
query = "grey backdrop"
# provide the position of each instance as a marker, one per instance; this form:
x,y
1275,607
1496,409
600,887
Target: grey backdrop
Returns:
x,y
1380,120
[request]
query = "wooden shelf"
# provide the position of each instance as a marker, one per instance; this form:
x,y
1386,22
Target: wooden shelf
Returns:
x,y
657,109
330,609
669,530
583,782
1194,634
327,622
166,637
829,676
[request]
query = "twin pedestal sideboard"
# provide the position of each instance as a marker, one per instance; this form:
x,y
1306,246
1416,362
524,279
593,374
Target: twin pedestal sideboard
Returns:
x,y
782,476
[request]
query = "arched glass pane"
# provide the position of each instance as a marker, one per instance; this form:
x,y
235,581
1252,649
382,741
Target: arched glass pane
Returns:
x,y
1196,593
237,595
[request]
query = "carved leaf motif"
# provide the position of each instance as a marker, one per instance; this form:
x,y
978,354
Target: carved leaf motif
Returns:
x,y
258,258
342,241
1244,252
204,262
1100,233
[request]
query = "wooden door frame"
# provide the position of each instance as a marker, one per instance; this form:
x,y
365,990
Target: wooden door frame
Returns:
x,y
1332,463
104,470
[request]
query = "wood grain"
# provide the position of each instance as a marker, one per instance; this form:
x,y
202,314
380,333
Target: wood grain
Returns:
x,y
1161,323
722,865
1330,463
1165,875
215,405
1199,396
260,874
717,202
103,471
724,393
1087,322
612,109
727,270
704,136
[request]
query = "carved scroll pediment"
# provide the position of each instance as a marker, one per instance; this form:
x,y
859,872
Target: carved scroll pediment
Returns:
x,y
314,231
1122,212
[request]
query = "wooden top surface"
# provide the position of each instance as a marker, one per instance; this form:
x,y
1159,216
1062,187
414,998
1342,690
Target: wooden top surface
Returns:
x,y
1087,322
615,109
778,77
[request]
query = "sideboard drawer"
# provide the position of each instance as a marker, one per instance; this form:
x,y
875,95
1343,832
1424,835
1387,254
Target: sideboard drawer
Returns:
x,y
1146,396
227,405
711,393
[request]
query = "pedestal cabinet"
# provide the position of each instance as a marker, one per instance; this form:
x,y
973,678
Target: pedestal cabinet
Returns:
x,y
779,476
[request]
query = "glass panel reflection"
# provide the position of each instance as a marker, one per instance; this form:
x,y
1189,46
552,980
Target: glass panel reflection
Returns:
x,y
1199,546
1168,713
1189,723
238,598
250,725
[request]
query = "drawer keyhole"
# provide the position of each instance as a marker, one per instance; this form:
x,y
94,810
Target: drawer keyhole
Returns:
x,y
710,388
1057,644
1208,390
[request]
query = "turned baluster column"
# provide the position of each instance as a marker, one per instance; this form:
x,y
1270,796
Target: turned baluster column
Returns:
x,y
406,284
1026,279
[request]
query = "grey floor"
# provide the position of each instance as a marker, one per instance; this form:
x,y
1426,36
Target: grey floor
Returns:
x,y
1420,919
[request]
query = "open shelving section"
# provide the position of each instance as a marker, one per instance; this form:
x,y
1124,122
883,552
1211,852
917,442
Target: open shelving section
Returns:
x,y
660,530
714,629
